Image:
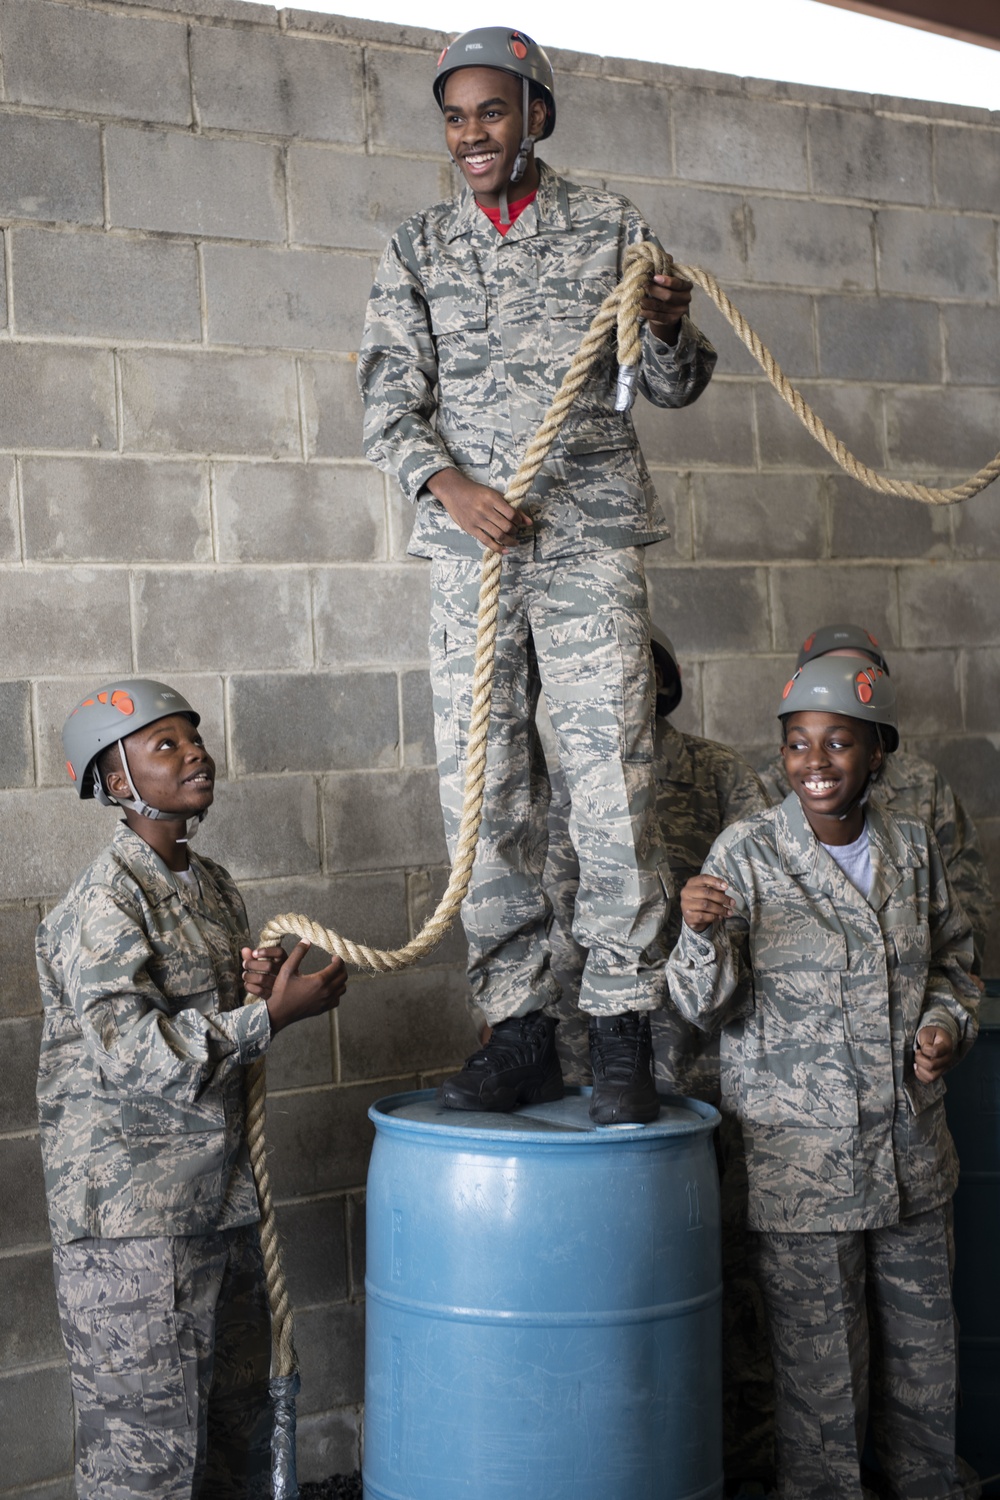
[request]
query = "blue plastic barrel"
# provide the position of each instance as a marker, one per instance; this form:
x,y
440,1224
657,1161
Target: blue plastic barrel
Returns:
x,y
973,1105
543,1305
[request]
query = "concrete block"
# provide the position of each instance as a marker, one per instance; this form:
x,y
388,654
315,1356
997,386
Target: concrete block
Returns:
x,y
299,513
354,29
424,889
58,837
401,110
33,1402
314,1245
746,142
936,254
948,428
967,167
19,994
858,154
949,604
24,1220
928,692
354,623
332,409
115,510
783,320
674,491
16,761
383,820
222,620
805,598
712,610
301,1056
356,1227
320,1139
867,525
320,722
601,125
95,62
878,338
697,226
210,403
328,1443
285,299
265,827
743,517
981,675
55,696
74,618
972,341
800,243
395,1023
10,531
55,397
330,1342
366,908
418,720
975,524
194,184
971,766
353,201
742,695
853,412
19,1039
29,1322
277,85
717,429
105,286
51,169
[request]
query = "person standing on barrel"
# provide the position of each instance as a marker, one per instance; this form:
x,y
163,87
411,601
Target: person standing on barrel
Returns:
x,y
478,306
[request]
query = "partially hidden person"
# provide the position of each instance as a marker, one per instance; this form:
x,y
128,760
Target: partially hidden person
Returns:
x,y
145,1044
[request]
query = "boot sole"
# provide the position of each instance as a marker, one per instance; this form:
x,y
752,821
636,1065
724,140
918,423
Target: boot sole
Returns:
x,y
547,1092
616,1114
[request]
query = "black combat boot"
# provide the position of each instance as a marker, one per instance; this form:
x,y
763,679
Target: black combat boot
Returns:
x,y
518,1065
621,1055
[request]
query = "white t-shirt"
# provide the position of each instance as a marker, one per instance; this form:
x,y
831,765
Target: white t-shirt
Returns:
x,y
855,861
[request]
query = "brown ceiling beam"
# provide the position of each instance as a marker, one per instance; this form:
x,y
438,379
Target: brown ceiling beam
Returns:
x,y
976,21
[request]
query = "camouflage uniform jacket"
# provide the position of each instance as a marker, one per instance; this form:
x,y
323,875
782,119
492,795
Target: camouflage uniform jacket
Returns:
x,y
822,993
467,338
140,1083
913,786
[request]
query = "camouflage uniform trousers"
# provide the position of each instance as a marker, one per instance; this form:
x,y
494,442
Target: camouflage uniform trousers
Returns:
x,y
578,630
169,1351
861,1324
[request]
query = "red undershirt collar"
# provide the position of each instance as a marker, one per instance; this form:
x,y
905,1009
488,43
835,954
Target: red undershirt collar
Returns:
x,y
513,211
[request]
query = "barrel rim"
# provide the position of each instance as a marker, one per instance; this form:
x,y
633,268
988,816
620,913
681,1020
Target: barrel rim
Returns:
x,y
705,1119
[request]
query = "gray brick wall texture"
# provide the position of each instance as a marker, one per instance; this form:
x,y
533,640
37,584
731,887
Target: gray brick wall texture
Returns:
x,y
191,208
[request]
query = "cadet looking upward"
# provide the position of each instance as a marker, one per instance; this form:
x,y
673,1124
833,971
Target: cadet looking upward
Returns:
x,y
477,309
909,784
151,1198
825,936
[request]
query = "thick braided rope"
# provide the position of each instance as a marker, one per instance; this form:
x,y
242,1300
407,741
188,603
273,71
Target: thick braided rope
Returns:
x,y
620,307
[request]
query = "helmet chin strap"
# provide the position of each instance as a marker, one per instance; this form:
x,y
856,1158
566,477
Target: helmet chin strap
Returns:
x,y
136,804
523,152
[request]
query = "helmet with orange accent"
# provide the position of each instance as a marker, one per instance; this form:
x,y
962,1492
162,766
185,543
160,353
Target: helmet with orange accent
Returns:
x,y
511,52
105,718
841,638
850,685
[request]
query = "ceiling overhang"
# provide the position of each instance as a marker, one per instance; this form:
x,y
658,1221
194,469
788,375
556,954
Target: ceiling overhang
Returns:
x,y
976,21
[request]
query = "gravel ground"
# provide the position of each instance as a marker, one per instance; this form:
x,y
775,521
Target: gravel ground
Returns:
x,y
340,1487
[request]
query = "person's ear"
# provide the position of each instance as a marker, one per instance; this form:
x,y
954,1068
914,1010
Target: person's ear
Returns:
x,y
116,784
536,116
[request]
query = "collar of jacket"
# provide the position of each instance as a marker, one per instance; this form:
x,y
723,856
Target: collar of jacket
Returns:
x,y
158,883
892,854
672,754
549,212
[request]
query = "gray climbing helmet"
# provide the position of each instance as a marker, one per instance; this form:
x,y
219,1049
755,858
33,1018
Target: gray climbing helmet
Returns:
x,y
841,638
849,685
665,658
104,718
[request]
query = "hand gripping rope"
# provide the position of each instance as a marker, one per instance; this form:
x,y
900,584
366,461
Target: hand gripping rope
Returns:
x,y
621,308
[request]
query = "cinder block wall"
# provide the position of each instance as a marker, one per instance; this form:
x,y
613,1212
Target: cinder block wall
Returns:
x,y
191,208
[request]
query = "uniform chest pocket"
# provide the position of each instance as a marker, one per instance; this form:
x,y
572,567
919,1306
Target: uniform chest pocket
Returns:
x,y
458,323
911,946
